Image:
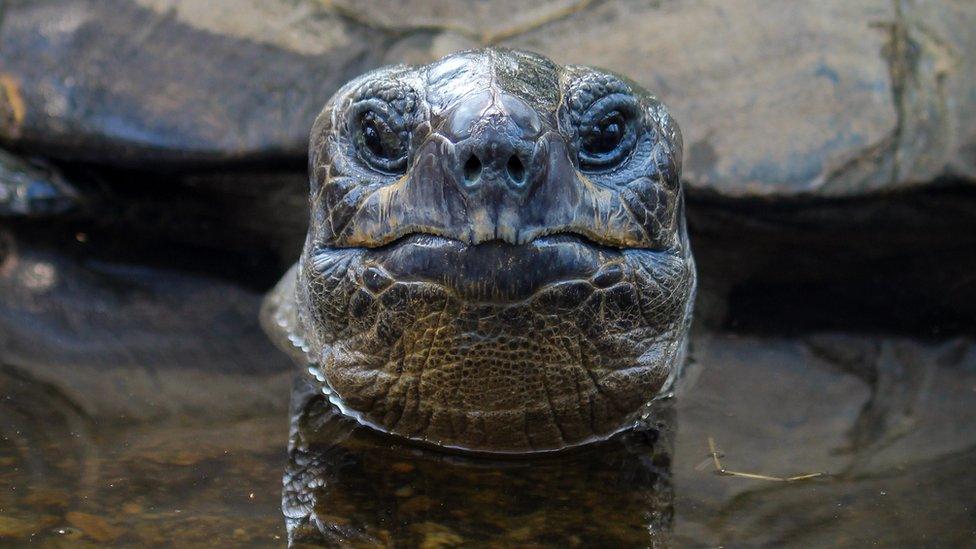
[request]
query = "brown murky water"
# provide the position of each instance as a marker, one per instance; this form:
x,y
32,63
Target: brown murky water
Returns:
x,y
167,422
899,465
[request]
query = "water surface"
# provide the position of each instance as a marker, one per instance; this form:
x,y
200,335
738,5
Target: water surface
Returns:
x,y
898,464
144,407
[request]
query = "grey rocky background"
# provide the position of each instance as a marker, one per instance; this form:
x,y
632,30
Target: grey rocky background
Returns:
x,y
830,146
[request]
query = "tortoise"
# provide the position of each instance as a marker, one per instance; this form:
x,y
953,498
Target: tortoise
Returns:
x,y
497,258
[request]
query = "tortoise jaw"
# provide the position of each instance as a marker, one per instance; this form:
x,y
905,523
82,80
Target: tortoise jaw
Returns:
x,y
493,270
513,237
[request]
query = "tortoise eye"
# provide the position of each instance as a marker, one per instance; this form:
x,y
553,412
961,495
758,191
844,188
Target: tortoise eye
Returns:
x,y
607,132
604,136
379,145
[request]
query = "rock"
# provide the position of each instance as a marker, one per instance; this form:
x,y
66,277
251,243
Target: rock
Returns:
x,y
128,82
777,101
33,189
889,418
124,342
785,101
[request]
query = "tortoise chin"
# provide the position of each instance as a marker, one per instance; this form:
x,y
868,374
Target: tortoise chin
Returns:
x,y
497,259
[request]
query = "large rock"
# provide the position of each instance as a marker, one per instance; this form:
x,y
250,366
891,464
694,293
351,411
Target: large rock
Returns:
x,y
825,99
118,81
828,98
887,418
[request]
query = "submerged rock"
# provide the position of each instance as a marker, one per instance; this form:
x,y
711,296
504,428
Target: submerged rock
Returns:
x,y
888,418
127,342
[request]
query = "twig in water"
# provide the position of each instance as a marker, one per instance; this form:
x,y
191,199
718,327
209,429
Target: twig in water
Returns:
x,y
723,471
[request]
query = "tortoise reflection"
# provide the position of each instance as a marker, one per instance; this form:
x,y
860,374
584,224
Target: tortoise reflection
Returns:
x,y
346,484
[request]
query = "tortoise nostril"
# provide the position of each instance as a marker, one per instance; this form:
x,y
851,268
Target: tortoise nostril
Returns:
x,y
472,169
515,169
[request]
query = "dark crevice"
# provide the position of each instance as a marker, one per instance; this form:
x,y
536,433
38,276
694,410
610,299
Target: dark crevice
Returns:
x,y
896,262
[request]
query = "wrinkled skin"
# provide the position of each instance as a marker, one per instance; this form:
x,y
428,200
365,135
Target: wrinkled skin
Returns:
x,y
497,258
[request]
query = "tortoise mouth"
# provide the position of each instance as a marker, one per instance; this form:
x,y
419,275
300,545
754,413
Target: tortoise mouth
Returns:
x,y
495,270
537,240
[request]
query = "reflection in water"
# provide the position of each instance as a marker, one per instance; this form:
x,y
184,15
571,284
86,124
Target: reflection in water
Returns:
x,y
67,479
346,484
890,418
778,406
46,455
145,407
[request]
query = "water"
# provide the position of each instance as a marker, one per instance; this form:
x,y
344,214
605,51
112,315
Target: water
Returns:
x,y
145,407
898,467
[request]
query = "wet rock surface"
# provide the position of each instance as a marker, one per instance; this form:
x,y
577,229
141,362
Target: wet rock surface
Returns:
x,y
130,342
884,416
33,189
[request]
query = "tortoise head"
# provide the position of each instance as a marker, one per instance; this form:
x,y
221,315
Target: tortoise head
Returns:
x,y
496,258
